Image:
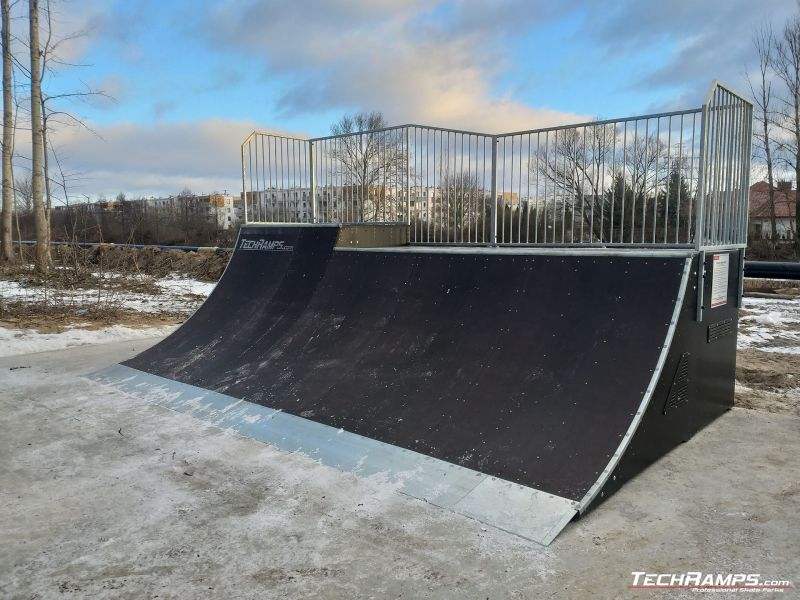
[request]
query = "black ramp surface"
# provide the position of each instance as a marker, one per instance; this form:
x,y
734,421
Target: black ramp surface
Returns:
x,y
272,273
525,366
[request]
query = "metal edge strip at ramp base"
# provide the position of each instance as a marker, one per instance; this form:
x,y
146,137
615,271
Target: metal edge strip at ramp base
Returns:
x,y
520,510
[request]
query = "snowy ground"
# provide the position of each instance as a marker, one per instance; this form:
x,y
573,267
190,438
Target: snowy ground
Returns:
x,y
175,293
770,325
14,342
768,360
135,305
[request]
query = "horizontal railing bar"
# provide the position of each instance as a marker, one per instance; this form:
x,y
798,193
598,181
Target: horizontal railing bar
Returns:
x,y
400,128
663,115
718,84
275,135
675,113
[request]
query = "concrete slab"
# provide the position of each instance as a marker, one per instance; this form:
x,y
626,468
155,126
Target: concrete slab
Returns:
x,y
108,496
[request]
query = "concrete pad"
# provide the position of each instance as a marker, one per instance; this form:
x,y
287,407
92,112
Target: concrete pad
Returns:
x,y
108,496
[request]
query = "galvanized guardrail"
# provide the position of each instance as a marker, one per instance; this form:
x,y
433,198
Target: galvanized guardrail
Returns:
x,y
669,179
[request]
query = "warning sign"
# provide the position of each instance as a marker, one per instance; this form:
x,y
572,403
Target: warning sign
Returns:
x,y
719,280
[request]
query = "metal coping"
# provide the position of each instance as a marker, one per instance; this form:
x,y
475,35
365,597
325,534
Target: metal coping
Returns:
x,y
523,511
279,224
528,251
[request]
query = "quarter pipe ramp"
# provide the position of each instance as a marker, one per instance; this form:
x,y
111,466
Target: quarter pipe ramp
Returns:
x,y
519,386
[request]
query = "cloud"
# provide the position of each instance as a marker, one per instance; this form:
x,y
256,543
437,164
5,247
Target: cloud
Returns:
x,y
703,40
443,60
75,25
413,61
163,107
155,159
113,90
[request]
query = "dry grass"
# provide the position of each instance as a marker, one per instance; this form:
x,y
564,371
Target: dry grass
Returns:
x,y
55,319
772,286
87,287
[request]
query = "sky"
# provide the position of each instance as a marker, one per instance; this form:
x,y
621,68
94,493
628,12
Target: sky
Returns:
x,y
187,80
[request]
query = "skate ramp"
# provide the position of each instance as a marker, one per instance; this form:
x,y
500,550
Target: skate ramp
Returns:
x,y
501,383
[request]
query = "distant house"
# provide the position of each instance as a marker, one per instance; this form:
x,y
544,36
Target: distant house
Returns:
x,y
785,210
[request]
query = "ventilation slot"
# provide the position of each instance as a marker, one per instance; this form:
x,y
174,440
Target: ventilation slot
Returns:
x,y
679,390
720,329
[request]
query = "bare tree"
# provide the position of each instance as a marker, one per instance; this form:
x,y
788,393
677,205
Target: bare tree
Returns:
x,y
467,206
787,67
23,193
575,164
369,163
7,252
42,260
761,91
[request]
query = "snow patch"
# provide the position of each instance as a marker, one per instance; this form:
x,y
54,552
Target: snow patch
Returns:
x,y
176,293
27,341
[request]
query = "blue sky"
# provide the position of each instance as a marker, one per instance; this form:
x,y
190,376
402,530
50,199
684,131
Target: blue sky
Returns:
x,y
190,79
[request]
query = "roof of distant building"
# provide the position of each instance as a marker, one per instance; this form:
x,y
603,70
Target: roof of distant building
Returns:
x,y
785,204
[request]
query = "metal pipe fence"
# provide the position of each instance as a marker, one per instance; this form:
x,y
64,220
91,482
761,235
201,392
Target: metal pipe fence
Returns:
x,y
675,178
722,209
628,181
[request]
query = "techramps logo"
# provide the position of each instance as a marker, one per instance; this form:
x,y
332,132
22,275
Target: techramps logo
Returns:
x,y
697,581
265,245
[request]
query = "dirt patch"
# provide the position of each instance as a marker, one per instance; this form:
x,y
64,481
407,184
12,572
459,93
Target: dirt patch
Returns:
x,y
75,262
767,287
202,265
55,319
69,280
768,381
106,286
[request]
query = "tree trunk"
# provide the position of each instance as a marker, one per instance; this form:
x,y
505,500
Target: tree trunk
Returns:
x,y
771,182
796,106
42,261
7,252
48,198
797,174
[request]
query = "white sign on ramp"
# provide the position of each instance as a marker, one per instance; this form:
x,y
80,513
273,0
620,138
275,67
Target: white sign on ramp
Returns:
x,y
719,280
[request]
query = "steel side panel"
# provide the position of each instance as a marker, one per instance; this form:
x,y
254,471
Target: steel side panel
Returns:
x,y
712,370
526,512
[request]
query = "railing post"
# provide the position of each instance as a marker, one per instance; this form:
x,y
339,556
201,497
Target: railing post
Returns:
x,y
701,285
699,219
313,180
244,182
745,191
702,175
493,205
408,176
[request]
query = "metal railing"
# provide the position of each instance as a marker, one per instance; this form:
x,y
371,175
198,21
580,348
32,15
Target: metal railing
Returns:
x,y
722,211
675,178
